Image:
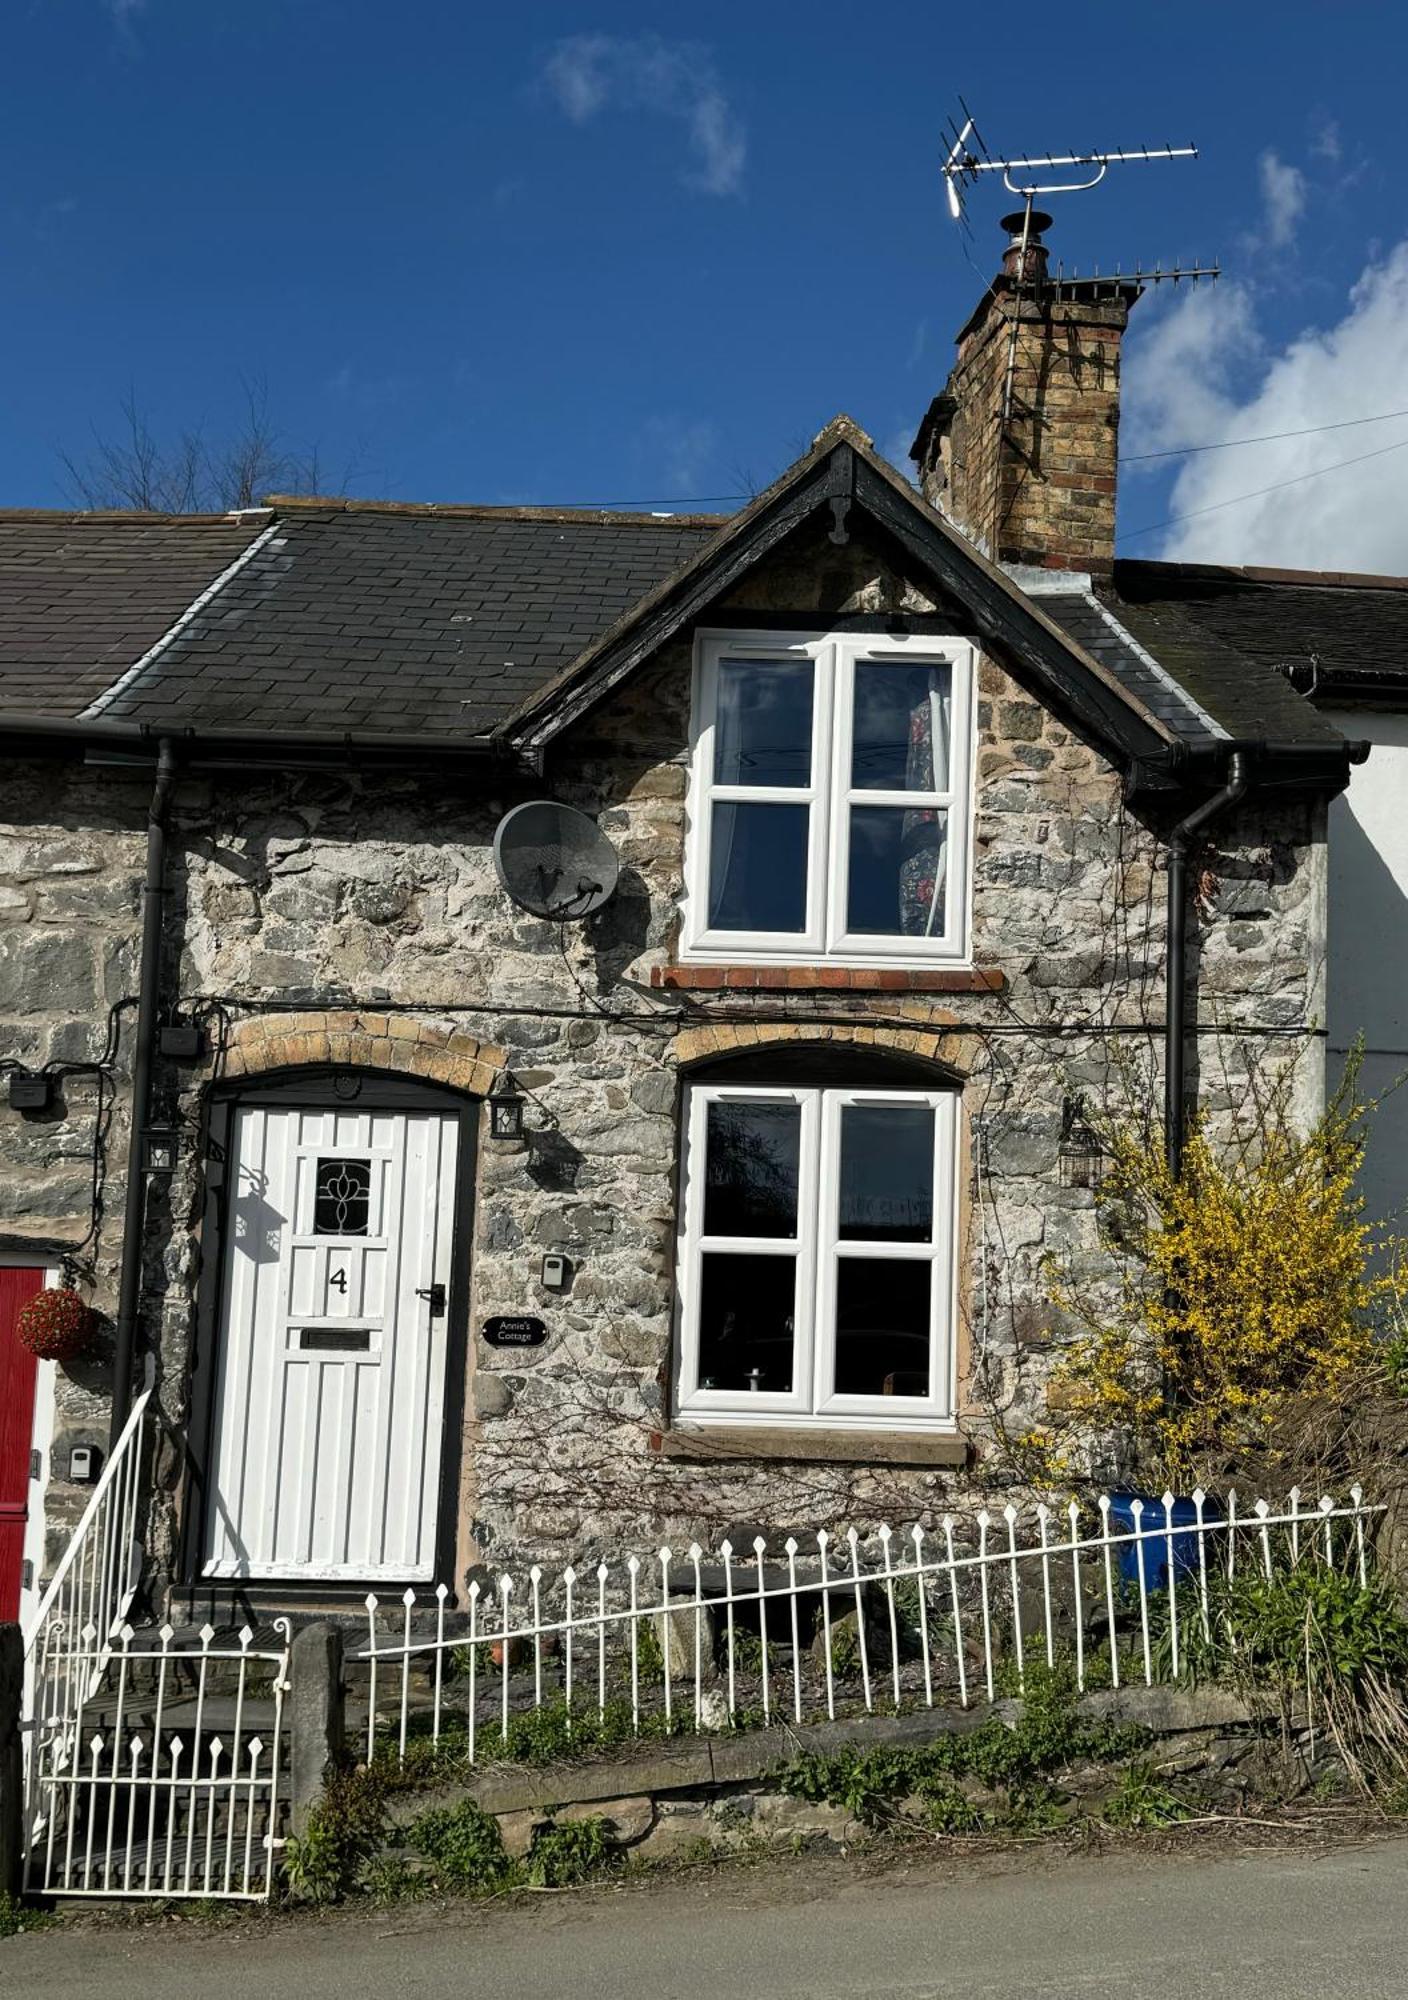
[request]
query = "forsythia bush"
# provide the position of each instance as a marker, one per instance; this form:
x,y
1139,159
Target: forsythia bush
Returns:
x,y
1248,1284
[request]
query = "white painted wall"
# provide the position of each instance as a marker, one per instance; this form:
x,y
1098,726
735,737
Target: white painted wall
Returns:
x,y
1368,942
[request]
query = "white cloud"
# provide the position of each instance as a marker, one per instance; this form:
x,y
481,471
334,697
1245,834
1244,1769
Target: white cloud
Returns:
x,y
1184,359
674,455
588,74
1283,193
1186,376
1326,142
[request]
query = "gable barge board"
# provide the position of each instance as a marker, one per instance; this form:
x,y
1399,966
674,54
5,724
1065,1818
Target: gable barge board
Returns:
x,y
1078,688
656,620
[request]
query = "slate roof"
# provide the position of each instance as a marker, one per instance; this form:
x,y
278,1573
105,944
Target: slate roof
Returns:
x,y
356,615
449,621
83,596
1081,615
1247,639
1211,650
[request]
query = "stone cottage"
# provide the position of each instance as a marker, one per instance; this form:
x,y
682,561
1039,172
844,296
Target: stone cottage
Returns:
x,y
442,1229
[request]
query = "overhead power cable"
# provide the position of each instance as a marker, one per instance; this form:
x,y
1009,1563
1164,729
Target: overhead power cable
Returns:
x,y
1236,499
1268,437
1126,458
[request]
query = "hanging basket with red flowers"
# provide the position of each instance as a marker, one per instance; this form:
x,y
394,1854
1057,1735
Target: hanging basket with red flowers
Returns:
x,y
56,1324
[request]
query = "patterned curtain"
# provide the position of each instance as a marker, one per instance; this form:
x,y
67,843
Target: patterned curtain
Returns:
x,y
924,836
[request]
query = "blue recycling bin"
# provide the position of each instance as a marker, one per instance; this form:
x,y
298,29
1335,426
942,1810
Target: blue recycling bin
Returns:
x,y
1155,1550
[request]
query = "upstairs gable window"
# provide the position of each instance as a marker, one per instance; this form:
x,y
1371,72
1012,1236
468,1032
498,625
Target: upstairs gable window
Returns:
x,y
830,799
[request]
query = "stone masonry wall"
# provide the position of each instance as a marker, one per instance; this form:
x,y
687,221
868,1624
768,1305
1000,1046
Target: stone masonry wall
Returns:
x,y
375,895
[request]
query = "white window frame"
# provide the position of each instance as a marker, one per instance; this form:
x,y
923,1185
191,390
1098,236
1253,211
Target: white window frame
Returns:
x,y
811,1404
828,798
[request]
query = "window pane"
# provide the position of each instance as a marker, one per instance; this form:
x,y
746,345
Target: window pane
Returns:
x,y
763,729
887,1173
900,739
751,1184
342,1198
758,867
898,868
747,1316
882,1327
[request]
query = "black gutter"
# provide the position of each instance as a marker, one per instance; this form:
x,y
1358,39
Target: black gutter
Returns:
x,y
148,999
39,735
1370,685
1180,840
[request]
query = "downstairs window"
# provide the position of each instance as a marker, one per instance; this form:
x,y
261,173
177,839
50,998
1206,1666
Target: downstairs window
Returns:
x,y
816,1263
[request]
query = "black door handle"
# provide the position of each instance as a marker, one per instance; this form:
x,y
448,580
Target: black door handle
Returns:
x,y
436,1296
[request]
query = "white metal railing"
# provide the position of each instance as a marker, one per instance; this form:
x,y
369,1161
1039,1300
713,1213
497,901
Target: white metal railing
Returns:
x,y
69,1640
165,1783
885,1618
151,1768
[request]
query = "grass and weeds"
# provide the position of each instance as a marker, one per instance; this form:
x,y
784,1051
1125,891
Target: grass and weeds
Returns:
x,y
1311,1638
935,1779
343,1836
16,1918
552,1734
565,1855
464,1847
1142,1799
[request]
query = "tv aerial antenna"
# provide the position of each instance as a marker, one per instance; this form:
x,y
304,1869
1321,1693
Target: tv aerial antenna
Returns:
x,y
968,160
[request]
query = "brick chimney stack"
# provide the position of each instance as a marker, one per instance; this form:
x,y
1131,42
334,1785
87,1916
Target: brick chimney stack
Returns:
x,y
1039,488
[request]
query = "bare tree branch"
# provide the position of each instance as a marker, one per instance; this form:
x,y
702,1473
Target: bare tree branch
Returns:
x,y
191,472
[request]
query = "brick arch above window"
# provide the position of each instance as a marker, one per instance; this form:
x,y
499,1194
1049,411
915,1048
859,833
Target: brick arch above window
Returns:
x,y
398,1044
946,1046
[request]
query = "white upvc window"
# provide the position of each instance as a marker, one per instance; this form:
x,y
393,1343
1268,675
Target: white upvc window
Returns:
x,y
830,799
816,1258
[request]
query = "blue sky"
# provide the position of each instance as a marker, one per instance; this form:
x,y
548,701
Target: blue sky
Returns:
x,y
567,253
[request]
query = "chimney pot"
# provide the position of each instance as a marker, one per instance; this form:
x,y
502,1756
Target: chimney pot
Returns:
x,y
1031,265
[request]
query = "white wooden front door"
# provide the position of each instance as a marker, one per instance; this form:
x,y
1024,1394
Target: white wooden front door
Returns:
x,y
330,1400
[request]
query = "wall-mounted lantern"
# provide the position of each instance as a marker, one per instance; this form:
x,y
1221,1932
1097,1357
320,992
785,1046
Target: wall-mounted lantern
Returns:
x,y
162,1147
506,1109
1081,1159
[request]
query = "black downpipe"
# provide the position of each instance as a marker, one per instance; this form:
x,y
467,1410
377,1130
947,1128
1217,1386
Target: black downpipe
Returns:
x,y
1180,841
148,1014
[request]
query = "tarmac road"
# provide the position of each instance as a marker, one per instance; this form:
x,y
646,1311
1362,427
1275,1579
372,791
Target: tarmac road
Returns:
x,y
1258,1925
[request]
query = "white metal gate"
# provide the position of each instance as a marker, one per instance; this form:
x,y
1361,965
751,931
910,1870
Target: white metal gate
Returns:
x,y
152,1764
164,1780
330,1405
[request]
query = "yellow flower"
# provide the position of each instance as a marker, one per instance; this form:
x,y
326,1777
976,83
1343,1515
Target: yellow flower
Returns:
x,y
1247,1280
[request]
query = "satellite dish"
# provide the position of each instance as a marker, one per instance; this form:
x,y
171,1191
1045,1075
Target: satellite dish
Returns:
x,y
554,861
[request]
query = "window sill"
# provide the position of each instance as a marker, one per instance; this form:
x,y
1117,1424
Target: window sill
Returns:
x,y
735,1442
830,978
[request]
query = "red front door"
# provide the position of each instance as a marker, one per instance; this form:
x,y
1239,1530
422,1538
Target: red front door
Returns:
x,y
18,1368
